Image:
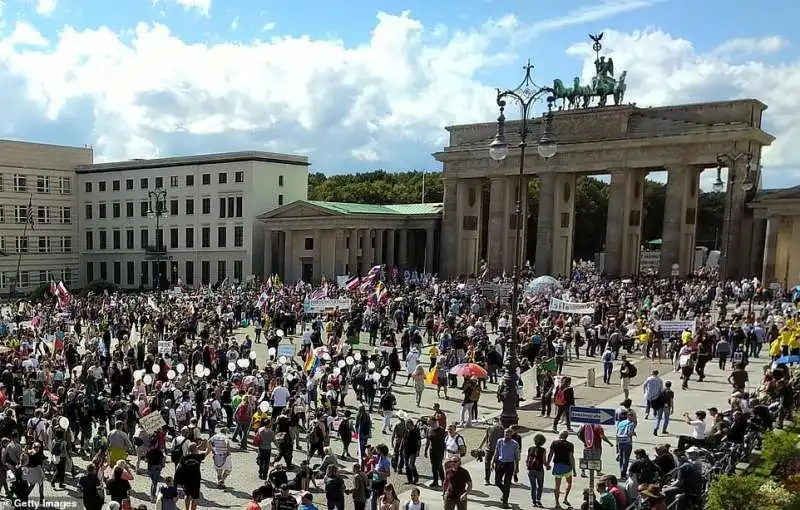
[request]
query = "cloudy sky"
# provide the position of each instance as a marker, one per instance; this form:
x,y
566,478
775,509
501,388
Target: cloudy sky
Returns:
x,y
365,84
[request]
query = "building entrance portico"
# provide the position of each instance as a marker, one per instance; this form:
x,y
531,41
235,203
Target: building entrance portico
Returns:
x,y
624,141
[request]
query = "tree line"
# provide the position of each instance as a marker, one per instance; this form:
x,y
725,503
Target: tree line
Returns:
x,y
591,204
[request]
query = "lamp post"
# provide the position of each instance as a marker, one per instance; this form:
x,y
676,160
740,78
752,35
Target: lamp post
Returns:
x,y
525,95
157,203
751,178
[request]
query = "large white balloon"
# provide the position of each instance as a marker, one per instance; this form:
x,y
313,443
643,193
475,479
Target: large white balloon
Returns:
x,y
252,355
376,377
181,368
349,360
341,363
371,365
280,333
138,374
148,379
156,369
231,366
63,422
326,356
271,351
263,406
198,370
357,356
282,360
337,371
385,372
206,372
243,362
171,375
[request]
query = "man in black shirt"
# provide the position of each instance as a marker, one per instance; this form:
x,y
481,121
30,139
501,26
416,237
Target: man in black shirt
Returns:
x,y
435,446
284,500
688,482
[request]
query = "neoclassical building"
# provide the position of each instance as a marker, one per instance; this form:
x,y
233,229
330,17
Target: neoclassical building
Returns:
x,y
779,215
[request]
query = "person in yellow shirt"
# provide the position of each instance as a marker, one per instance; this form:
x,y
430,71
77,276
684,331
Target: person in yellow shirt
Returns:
x,y
775,349
433,353
786,339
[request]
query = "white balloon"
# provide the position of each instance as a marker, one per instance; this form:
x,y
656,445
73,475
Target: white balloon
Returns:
x,y
290,377
337,371
349,360
181,368
206,372
371,365
282,360
63,422
341,363
243,363
156,369
148,379
263,406
137,374
326,357
385,372
171,375
280,333
231,366
198,370
358,356
376,377
252,355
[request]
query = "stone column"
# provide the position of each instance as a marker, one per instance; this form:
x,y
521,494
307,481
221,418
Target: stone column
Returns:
x,y
338,253
403,253
563,223
379,257
615,229
497,224
451,231
429,247
624,225
390,238
680,219
267,254
289,261
316,260
771,250
734,236
352,253
544,226
366,251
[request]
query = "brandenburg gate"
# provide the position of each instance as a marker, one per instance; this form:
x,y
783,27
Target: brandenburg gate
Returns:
x,y
625,141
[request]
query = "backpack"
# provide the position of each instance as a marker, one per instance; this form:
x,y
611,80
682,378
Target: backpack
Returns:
x,y
559,350
242,412
176,455
608,357
462,446
421,505
632,371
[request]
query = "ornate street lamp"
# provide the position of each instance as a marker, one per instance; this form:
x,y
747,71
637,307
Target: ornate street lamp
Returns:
x,y
525,95
157,208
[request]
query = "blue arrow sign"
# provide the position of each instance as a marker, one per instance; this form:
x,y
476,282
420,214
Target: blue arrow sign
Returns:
x,y
594,415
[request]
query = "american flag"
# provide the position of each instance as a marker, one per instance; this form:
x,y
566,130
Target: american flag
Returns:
x,y
29,219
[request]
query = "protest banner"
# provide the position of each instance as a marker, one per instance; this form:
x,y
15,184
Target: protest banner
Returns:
x,y
323,305
561,306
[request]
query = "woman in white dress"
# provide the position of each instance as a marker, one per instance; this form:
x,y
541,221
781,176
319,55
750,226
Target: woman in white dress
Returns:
x,y
221,455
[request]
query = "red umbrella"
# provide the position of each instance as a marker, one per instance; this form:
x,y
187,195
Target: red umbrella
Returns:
x,y
469,370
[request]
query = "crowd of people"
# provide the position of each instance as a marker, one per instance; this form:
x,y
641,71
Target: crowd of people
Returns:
x,y
102,388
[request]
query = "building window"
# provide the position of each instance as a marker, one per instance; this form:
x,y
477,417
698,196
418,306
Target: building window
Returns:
x,y
101,186
222,178
130,273
21,183
206,179
144,208
280,180
103,271
238,236
129,242
173,181
239,176
190,180
88,214
116,210
160,238
20,213
101,212
206,206
89,272
66,276
173,238
144,238
44,245
144,273
117,273
205,237
89,240
222,271
43,277
238,207
115,185
66,244
43,184
2,214
221,237
190,237
189,273
116,239
87,187
237,271
309,243
143,183
102,240
222,207
129,184
21,244
43,214
280,199
189,206
65,215
129,209
205,272
173,207
230,206
65,185
159,182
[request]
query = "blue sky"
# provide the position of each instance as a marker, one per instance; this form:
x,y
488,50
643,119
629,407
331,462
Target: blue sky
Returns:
x,y
360,85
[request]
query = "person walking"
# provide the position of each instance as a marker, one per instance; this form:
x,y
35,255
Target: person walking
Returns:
x,y
667,400
627,371
506,459
434,449
535,463
457,485
608,364
562,458
723,350
652,388
626,430
564,399
592,436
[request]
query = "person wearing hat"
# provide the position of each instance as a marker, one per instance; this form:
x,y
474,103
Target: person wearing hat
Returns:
x,y
652,495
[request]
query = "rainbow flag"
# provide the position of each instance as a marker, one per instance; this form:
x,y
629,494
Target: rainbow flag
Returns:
x,y
312,362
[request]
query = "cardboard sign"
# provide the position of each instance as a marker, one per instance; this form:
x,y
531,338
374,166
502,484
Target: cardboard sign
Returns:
x,y
152,423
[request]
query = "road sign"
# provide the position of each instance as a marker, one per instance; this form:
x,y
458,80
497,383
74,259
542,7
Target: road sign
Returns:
x,y
596,415
590,464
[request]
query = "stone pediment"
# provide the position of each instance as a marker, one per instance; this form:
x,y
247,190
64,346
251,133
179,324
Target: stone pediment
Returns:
x,y
296,209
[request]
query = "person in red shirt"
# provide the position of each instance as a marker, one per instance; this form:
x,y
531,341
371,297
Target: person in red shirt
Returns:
x,y
254,504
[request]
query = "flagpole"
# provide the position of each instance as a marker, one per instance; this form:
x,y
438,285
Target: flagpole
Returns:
x,y
423,186
28,220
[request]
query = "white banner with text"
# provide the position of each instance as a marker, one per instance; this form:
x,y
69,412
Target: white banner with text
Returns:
x,y
561,306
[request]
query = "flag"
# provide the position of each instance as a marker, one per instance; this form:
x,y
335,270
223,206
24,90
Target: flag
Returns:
x,y
312,362
62,293
353,283
321,293
432,377
53,288
29,215
262,300
375,270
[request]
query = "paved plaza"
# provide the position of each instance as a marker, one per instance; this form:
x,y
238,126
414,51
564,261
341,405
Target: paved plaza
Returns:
x,y
714,391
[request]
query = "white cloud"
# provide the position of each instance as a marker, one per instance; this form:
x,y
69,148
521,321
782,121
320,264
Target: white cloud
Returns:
x,y
761,45
235,23
269,26
24,34
201,6
45,7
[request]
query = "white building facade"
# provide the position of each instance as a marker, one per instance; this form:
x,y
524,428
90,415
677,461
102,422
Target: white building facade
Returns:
x,y
208,230
40,176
